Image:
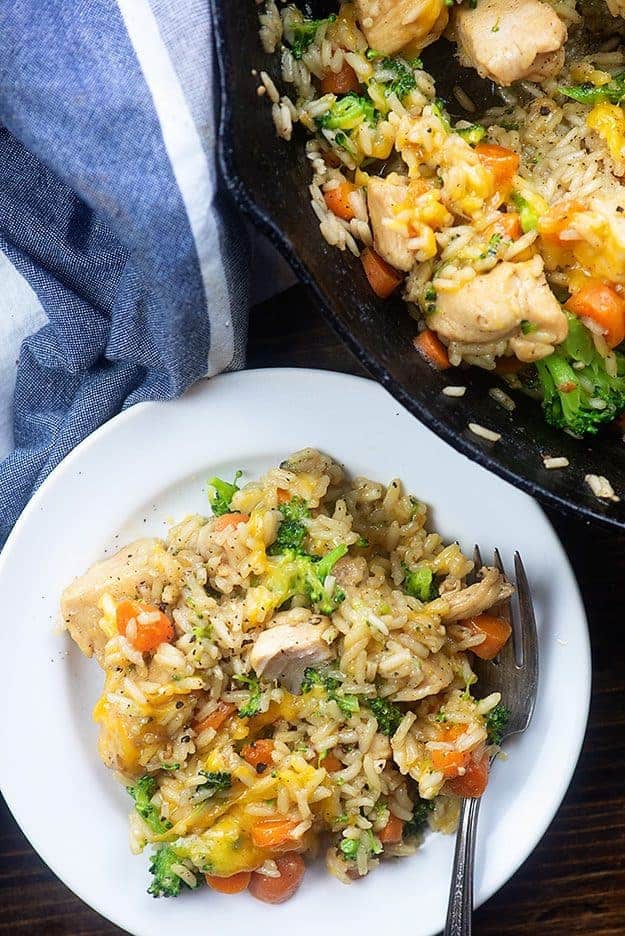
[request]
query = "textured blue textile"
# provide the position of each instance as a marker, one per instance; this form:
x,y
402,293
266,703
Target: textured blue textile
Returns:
x,y
110,207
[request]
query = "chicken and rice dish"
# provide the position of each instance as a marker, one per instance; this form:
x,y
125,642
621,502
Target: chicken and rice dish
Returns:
x,y
504,231
291,676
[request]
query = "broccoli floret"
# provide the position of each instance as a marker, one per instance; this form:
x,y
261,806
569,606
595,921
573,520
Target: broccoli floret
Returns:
x,y
166,882
397,75
348,112
613,92
142,793
416,825
388,715
419,583
496,722
304,34
252,706
216,781
527,215
291,532
348,704
295,573
473,134
349,848
220,494
585,397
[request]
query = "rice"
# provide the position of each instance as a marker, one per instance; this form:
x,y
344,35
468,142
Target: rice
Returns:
x,y
560,461
455,225
454,391
484,433
601,487
221,741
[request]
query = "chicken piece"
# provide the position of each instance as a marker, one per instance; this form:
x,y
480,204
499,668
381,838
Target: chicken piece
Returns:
x,y
391,25
285,651
468,602
510,40
502,304
384,196
134,571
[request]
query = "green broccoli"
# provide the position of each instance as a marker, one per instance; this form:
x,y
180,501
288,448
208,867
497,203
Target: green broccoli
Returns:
x,y
473,134
388,715
295,573
142,792
527,215
578,393
613,92
220,494
348,704
166,882
419,583
415,826
349,848
216,781
496,722
291,532
304,34
252,706
347,113
397,76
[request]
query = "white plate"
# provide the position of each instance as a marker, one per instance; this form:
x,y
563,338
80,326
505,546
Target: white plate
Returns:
x,y
150,464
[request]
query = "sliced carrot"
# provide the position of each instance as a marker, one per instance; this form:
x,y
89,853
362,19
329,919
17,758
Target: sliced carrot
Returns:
x,y
383,278
271,833
283,496
331,763
474,780
216,718
450,763
228,519
429,346
392,832
229,885
496,632
502,162
338,200
258,754
278,889
340,82
145,626
604,306
508,224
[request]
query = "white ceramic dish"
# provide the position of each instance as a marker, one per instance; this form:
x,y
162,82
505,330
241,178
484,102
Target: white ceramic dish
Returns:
x,y
150,464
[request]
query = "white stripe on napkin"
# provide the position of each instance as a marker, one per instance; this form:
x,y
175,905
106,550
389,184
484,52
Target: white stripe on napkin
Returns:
x,y
191,170
21,315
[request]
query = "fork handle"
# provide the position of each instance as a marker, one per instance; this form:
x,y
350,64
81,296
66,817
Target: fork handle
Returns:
x,y
460,907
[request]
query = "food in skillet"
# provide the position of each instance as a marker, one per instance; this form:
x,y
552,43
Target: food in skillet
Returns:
x,y
292,674
505,237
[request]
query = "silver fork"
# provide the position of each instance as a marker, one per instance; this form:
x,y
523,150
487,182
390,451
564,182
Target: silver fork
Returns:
x,y
514,673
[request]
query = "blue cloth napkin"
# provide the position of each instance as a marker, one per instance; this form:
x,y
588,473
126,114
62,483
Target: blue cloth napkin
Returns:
x,y
123,267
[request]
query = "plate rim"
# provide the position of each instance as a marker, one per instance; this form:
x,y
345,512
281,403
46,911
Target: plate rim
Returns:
x,y
135,411
265,223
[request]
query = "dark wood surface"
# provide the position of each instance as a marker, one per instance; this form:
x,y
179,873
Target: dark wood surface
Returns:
x,y
574,883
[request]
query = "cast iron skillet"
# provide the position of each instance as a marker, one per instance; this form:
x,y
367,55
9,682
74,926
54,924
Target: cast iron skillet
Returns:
x,y
268,179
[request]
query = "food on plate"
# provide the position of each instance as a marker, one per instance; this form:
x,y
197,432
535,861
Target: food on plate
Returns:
x,y
504,232
291,675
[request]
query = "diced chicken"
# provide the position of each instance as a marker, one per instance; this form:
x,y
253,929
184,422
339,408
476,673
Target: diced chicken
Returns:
x,y
285,651
391,25
510,40
490,590
512,302
383,197
132,572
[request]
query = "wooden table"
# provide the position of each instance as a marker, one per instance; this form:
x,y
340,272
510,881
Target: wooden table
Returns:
x,y
574,883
